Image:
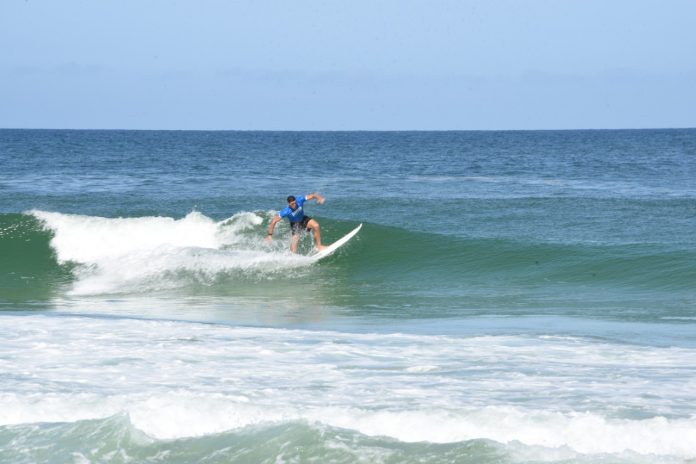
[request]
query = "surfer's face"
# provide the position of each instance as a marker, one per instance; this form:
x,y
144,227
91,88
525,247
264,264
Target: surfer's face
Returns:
x,y
293,204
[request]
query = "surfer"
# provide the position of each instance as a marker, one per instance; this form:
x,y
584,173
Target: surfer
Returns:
x,y
299,222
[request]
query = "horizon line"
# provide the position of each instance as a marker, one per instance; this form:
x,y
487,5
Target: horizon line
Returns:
x,y
347,130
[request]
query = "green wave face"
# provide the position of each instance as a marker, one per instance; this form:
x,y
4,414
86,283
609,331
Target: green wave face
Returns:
x,y
397,252
28,267
449,275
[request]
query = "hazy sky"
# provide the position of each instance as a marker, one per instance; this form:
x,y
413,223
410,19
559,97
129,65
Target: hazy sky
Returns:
x,y
316,65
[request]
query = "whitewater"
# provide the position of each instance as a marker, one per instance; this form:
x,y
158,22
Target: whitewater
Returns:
x,y
190,379
138,255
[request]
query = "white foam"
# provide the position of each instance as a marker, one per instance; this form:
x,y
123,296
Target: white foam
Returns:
x,y
177,414
178,379
151,253
89,239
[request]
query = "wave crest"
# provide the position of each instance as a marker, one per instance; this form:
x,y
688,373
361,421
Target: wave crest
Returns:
x,y
156,253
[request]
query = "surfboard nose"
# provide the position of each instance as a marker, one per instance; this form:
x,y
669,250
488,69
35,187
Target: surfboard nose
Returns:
x,y
330,249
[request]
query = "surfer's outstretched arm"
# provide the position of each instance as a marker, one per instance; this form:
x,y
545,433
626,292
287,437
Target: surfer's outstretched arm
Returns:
x,y
274,221
316,196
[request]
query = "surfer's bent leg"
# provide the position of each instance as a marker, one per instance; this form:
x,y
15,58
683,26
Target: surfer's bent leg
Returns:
x,y
296,230
314,226
293,242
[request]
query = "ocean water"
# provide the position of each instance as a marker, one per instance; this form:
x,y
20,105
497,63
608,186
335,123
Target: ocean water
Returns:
x,y
513,297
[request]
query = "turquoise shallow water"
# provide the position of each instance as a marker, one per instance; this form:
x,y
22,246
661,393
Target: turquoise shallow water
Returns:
x,y
512,297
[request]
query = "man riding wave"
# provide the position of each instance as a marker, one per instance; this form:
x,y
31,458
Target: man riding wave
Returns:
x,y
299,222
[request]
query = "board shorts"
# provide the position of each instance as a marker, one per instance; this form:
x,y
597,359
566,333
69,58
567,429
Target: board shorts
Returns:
x,y
300,226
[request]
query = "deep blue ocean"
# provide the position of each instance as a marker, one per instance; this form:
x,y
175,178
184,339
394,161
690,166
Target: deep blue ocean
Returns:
x,y
513,297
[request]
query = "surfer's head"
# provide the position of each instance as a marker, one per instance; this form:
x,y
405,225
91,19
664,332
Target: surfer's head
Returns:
x,y
291,201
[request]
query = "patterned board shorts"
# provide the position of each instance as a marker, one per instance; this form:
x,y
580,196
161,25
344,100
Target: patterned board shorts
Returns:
x,y
300,226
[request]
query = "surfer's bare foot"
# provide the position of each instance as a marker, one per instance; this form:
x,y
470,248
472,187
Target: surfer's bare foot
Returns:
x,y
321,247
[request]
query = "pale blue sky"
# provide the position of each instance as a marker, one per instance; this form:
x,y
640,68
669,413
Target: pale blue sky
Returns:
x,y
330,65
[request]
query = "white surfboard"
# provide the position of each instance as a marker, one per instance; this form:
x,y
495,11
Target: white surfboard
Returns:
x,y
335,245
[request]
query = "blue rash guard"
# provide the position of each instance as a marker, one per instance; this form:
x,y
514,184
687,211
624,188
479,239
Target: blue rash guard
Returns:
x,y
294,215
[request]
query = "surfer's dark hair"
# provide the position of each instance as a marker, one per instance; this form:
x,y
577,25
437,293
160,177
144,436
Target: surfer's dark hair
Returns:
x,y
291,199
